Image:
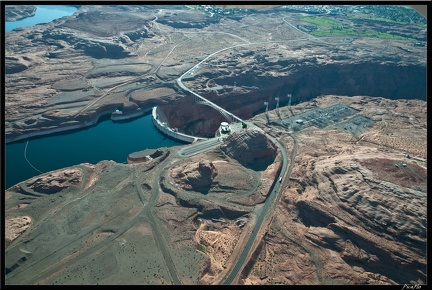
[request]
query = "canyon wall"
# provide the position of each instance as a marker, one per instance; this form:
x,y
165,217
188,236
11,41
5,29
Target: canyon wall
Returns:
x,y
304,83
71,71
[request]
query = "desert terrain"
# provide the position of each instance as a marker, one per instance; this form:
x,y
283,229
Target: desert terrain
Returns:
x,y
351,208
18,12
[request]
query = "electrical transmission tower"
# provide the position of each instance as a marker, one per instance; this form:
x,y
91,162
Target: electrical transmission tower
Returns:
x,y
277,106
289,104
267,116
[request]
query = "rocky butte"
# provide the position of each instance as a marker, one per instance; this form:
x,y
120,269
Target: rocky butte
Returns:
x,y
351,209
14,13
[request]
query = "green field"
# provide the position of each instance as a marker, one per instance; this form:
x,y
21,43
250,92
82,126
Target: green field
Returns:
x,y
333,28
389,21
375,19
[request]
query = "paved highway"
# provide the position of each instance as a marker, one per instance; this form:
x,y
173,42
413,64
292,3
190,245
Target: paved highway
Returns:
x,y
156,225
271,201
205,145
277,191
199,147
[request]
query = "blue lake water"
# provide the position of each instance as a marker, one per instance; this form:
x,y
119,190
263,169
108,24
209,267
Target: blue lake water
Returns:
x,y
105,141
43,14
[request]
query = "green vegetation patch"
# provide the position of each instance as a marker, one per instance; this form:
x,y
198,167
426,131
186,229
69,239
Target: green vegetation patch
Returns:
x,y
389,21
375,19
328,27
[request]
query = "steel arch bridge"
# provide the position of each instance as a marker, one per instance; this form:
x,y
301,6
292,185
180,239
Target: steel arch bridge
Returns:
x,y
231,118
203,101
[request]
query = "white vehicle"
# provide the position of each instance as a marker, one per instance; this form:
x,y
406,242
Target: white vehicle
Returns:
x,y
280,179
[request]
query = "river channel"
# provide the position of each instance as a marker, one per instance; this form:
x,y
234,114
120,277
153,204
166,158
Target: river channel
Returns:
x,y
105,141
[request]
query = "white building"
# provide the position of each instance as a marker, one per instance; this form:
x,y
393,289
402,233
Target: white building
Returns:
x,y
225,128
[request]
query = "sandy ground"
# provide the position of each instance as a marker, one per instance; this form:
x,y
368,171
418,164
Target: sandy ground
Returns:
x,y
352,212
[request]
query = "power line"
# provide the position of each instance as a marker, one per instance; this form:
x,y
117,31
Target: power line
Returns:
x,y
25,156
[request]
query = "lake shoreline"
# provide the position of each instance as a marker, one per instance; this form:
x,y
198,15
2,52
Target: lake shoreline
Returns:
x,y
19,12
96,140
80,126
32,18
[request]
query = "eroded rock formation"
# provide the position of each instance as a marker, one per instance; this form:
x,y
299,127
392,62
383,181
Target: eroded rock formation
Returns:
x,y
55,181
197,176
14,227
250,147
18,12
123,55
353,210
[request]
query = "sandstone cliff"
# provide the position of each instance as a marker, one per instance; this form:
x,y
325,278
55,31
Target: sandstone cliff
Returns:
x,y
251,148
353,210
114,55
18,12
195,176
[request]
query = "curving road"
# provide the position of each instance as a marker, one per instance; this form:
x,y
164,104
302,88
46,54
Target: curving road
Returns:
x,y
199,147
271,201
273,196
277,191
202,146
157,226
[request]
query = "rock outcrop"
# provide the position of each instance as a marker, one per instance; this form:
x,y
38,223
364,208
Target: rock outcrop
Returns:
x,y
55,181
183,19
350,213
196,176
353,212
251,148
64,37
18,12
141,50
14,227
15,64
